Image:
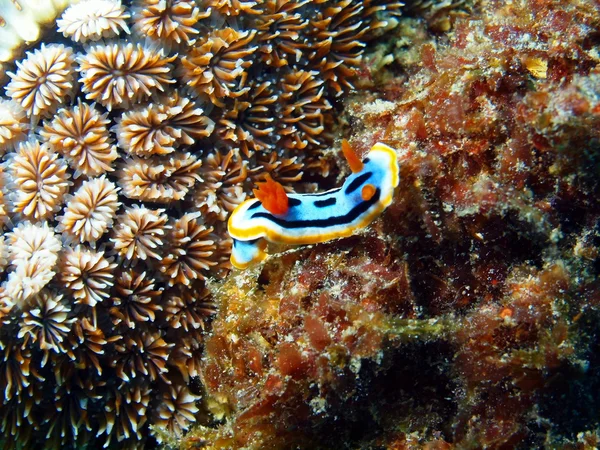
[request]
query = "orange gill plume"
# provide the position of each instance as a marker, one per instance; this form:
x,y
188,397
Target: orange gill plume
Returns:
x,y
272,196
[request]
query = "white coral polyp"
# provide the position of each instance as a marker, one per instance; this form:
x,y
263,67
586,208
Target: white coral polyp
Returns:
x,y
29,241
3,253
33,251
90,212
28,279
13,125
93,20
43,80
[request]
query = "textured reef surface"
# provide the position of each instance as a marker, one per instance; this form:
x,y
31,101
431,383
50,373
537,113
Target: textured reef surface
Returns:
x,y
466,316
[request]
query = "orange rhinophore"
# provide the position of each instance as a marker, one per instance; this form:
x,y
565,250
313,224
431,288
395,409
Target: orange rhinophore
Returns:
x,y
272,196
367,193
354,161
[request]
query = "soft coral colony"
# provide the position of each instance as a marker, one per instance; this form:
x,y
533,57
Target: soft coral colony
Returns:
x,y
128,136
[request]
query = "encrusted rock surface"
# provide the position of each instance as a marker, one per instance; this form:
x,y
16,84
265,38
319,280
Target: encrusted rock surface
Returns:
x,y
467,315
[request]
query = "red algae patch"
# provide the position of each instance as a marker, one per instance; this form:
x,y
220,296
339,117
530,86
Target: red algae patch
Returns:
x,y
299,340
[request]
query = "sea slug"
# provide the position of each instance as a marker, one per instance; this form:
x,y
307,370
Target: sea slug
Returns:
x,y
277,217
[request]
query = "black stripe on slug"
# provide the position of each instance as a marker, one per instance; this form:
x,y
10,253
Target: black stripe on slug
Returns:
x,y
325,203
291,202
323,223
356,183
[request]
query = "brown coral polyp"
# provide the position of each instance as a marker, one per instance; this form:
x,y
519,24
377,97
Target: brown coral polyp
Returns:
x,y
191,253
176,412
140,233
15,371
216,66
117,75
125,413
41,179
80,135
46,323
161,180
303,120
222,187
160,129
280,32
233,7
91,211
93,20
13,124
248,125
171,22
188,309
43,80
337,59
87,274
135,299
140,355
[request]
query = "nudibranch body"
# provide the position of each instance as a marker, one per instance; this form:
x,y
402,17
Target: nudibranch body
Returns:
x,y
314,218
